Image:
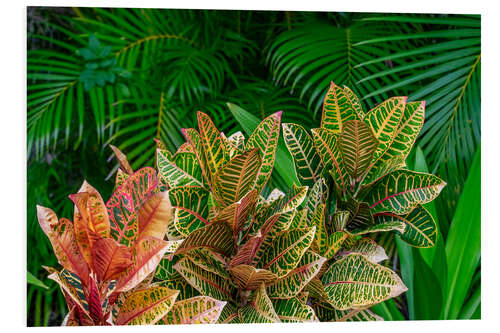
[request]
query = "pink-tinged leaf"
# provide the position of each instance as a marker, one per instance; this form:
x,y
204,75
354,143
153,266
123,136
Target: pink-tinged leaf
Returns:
x,y
146,255
110,259
62,237
123,206
95,307
195,310
236,214
154,216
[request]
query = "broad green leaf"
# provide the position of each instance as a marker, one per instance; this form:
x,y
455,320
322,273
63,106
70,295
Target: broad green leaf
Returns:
x,y
327,146
337,109
366,247
31,279
146,307
360,215
417,228
185,172
316,196
247,277
357,144
154,216
384,168
355,282
259,309
229,315
124,204
402,190
293,311
196,310
209,261
295,281
216,236
191,208
307,162
384,120
207,283
328,313
237,177
388,311
334,244
194,139
354,101
287,250
265,137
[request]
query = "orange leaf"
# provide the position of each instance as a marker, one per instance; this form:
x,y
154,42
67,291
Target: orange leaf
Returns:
x,y
154,216
109,258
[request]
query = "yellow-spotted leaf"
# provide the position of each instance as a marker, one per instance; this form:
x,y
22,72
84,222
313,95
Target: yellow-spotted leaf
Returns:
x,y
295,281
366,247
146,307
185,172
357,145
195,310
356,282
123,206
237,177
337,109
247,277
265,138
294,311
259,309
306,160
417,228
120,178
217,237
154,216
72,289
177,282
328,148
287,250
402,190
384,120
190,204
207,283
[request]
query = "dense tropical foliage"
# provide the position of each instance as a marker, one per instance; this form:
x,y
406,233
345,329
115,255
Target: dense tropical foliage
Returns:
x,y
124,76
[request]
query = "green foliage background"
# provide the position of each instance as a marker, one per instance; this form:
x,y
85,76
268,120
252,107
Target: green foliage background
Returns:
x,y
125,76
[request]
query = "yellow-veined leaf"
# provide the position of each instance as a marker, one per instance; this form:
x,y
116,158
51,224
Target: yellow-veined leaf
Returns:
x,y
366,247
185,172
229,315
195,310
216,236
293,311
191,209
154,216
247,277
259,309
337,109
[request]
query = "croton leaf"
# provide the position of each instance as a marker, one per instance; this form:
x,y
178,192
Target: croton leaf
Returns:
x,y
124,204
400,191
194,139
215,236
417,228
122,159
191,208
236,214
355,282
259,309
354,101
293,199
109,258
146,307
357,145
154,216
237,177
337,109
120,178
265,138
384,168
306,160
340,219
62,237
177,282
295,281
327,146
317,195
209,261
319,243
229,315
146,254
328,313
293,311
236,143
368,248
174,175
195,310
72,289
335,241
287,250
207,283
247,277
360,215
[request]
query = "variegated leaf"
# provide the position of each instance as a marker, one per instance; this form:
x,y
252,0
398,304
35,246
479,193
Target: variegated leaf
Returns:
x,y
357,145
360,215
124,204
320,241
216,236
247,277
62,237
384,168
355,282
213,145
366,247
207,283
294,311
307,162
300,219
259,309
328,147
334,244
295,281
120,178
146,254
265,138
177,282
194,139
417,228
229,315
72,288
236,178
337,109
154,216
236,143
402,190
146,307
328,313
340,219
316,290
209,261
191,208
236,214
354,101
189,173
247,251
317,196
287,250
290,201
122,159
384,120
196,310
109,259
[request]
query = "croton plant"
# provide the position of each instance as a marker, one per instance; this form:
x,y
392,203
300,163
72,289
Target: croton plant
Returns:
x,y
196,241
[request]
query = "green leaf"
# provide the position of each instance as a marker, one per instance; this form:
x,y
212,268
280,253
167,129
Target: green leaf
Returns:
x,y
259,309
195,310
356,282
337,109
216,236
31,279
191,209
293,311
183,170
366,247
307,162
